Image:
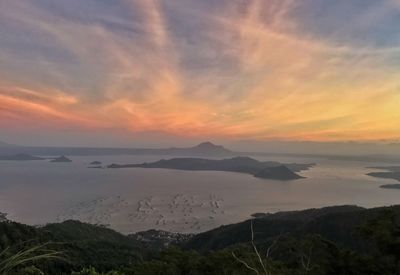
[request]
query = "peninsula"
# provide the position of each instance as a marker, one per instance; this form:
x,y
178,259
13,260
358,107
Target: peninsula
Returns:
x,y
392,172
246,165
20,157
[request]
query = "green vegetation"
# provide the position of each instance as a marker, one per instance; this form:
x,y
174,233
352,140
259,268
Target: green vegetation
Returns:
x,y
336,240
18,260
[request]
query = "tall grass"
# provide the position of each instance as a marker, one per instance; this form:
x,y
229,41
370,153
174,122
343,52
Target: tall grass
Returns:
x,y
26,256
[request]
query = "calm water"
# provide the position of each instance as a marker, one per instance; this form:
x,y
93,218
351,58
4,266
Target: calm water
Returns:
x,y
131,200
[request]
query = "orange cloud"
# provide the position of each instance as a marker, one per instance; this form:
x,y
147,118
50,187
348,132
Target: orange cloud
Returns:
x,y
20,105
274,81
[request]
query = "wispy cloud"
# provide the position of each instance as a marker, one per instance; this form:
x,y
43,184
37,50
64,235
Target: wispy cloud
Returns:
x,y
237,69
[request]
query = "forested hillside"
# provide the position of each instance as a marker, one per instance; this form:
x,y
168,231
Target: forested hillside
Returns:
x,y
334,240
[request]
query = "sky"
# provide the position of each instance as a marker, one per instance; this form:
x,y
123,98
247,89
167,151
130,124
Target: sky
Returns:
x,y
172,71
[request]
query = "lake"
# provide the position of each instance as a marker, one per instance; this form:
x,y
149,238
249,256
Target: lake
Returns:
x,y
131,200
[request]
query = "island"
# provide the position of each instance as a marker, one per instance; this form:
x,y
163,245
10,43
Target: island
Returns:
x,y
392,172
246,165
390,186
61,159
20,157
95,163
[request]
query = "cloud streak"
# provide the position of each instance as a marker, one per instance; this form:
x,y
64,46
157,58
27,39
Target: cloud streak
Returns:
x,y
233,69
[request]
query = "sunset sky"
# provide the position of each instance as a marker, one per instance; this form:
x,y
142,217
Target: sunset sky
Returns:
x,y
318,70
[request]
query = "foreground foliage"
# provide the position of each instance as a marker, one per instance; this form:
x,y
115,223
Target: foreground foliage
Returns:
x,y
325,241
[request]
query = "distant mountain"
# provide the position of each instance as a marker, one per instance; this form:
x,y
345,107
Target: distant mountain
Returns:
x,y
61,159
206,148
20,157
267,170
202,149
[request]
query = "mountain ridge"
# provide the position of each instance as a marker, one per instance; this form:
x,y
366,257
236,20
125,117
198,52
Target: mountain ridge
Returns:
x,y
202,149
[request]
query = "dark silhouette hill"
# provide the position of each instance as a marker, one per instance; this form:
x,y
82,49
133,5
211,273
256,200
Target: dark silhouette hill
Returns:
x,y
337,223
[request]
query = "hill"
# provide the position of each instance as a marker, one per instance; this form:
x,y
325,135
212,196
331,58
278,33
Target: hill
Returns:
x,y
332,238
338,224
205,148
82,244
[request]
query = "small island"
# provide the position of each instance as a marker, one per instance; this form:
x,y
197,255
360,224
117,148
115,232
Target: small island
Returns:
x,y
266,170
61,159
96,165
